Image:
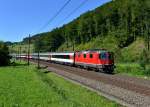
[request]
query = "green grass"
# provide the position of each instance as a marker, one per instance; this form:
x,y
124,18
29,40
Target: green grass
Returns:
x,y
23,86
133,69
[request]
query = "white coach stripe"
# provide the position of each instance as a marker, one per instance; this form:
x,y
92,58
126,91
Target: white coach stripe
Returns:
x,y
62,60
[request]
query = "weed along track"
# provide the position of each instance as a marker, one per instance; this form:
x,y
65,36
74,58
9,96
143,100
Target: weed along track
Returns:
x,y
128,91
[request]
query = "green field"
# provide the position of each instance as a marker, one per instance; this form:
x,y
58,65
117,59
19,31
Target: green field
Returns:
x,y
23,86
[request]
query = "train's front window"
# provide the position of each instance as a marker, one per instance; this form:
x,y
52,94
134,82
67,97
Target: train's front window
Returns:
x,y
103,56
111,56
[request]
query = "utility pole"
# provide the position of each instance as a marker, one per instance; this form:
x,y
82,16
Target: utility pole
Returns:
x,y
29,50
38,58
18,57
38,53
20,52
73,44
13,54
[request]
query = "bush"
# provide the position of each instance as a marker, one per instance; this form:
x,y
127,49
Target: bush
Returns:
x,y
130,68
4,55
147,71
144,59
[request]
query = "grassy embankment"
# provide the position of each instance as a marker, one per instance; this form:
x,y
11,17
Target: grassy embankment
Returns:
x,y
133,69
23,86
24,48
132,64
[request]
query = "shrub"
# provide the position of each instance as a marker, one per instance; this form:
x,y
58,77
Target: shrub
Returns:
x,y
147,71
4,55
144,59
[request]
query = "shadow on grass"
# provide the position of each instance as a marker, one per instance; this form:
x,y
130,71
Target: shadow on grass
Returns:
x,y
43,69
18,64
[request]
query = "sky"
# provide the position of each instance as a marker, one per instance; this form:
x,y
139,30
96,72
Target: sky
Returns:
x,y
19,18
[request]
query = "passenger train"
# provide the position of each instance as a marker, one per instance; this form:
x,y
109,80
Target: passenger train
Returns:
x,y
98,59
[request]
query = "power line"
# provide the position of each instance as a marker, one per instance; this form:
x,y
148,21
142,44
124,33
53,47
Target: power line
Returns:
x,y
77,8
57,13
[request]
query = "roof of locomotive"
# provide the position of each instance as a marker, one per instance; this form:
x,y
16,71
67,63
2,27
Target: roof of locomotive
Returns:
x,y
93,50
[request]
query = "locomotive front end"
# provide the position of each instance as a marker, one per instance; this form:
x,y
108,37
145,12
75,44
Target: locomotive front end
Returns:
x,y
107,61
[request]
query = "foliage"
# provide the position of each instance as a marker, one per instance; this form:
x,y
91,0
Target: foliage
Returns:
x,y
48,41
8,43
144,59
147,70
133,52
128,68
4,54
133,69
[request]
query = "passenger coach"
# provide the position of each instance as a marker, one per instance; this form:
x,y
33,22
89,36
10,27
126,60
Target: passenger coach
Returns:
x,y
63,57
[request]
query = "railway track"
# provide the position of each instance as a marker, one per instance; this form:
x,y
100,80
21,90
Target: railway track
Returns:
x,y
128,91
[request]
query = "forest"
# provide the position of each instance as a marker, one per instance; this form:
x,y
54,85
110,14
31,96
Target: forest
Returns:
x,y
119,21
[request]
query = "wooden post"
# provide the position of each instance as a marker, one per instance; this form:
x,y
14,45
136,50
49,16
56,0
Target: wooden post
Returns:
x,y
29,50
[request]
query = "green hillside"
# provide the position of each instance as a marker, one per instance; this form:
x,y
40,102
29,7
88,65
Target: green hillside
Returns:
x,y
121,26
15,48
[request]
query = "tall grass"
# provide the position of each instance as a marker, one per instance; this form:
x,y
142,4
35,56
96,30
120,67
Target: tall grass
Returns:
x,y
133,69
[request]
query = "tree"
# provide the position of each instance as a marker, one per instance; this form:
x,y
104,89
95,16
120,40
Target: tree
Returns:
x,y
4,55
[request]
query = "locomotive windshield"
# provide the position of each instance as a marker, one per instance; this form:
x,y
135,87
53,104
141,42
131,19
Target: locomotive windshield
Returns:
x,y
106,55
103,56
111,55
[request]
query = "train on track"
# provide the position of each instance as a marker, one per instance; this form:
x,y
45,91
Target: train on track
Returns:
x,y
97,59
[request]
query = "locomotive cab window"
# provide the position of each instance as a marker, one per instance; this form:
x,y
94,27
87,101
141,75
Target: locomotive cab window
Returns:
x,y
103,55
111,56
91,55
84,55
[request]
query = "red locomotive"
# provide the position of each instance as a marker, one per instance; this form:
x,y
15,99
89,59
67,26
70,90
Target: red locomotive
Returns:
x,y
97,59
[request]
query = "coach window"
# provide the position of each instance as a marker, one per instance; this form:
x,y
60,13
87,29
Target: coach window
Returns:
x,y
84,55
67,57
91,55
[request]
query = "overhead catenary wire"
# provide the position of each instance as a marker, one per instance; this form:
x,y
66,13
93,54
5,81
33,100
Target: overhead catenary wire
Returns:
x,y
58,12
72,12
55,15
49,22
